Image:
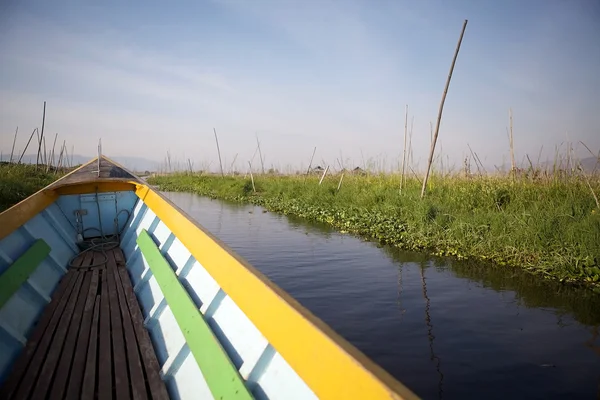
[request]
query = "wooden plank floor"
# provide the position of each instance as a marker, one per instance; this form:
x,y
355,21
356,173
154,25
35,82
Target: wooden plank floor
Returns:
x,y
90,342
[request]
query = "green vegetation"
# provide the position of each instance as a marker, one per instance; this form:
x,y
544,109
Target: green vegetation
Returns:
x,y
548,226
19,181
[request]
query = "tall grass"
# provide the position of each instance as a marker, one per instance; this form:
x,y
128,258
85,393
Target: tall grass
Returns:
x,y
548,225
19,181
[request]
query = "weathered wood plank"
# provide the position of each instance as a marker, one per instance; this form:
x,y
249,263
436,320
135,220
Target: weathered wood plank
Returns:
x,y
155,383
89,173
70,340
45,327
105,383
136,373
119,357
89,377
85,335
52,358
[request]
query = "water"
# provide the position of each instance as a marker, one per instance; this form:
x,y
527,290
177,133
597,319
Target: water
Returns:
x,y
445,329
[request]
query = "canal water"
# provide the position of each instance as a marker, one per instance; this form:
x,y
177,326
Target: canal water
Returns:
x,y
445,329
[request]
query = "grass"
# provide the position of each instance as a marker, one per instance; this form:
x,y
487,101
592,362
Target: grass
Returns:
x,y
548,226
19,181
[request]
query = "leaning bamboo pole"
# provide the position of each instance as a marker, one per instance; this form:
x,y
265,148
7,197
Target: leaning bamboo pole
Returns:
x,y
439,118
13,145
27,145
41,137
219,151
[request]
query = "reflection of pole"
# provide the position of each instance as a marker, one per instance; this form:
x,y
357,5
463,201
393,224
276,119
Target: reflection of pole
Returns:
x,y
595,349
402,310
430,333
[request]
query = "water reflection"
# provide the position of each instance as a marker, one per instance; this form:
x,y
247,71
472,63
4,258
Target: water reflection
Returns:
x,y
430,336
531,291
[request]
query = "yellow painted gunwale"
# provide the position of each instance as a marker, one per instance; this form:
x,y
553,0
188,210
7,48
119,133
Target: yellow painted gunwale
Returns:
x,y
330,366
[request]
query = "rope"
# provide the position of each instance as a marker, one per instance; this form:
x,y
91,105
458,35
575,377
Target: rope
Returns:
x,y
101,244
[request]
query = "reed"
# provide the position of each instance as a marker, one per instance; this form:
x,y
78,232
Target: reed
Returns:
x,y
548,224
19,181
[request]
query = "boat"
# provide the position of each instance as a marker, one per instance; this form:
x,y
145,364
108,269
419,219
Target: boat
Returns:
x,y
109,290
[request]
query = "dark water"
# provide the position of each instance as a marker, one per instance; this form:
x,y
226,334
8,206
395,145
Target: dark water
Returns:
x,y
445,329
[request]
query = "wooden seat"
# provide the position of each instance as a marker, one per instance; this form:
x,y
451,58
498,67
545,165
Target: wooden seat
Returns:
x,y
90,341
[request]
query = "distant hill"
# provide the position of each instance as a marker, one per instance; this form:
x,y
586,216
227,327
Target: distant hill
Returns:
x,y
137,164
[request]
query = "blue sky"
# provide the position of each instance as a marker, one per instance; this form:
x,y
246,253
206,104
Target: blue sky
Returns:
x,y
149,77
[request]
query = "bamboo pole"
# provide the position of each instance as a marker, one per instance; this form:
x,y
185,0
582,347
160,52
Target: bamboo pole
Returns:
x,y
324,173
53,146
13,146
27,145
60,157
233,162
410,158
219,151
251,160
404,152
37,137
475,159
45,154
262,165
414,173
512,146
42,136
310,163
340,184
439,118
65,155
251,176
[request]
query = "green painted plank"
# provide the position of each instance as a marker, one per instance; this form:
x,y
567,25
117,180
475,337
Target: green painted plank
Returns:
x,y
19,271
221,375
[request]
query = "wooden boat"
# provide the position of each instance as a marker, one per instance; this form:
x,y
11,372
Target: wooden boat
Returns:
x,y
108,290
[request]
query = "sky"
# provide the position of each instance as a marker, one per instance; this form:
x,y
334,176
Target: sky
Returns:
x,y
154,77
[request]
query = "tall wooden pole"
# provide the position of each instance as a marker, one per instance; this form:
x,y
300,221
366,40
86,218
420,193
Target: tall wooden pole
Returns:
x,y
310,163
41,137
262,165
13,146
439,118
512,144
219,151
404,153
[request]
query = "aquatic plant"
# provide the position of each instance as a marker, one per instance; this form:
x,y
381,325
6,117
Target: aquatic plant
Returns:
x,y
550,227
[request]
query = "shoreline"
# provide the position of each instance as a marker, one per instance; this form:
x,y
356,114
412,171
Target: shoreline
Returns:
x,y
520,224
